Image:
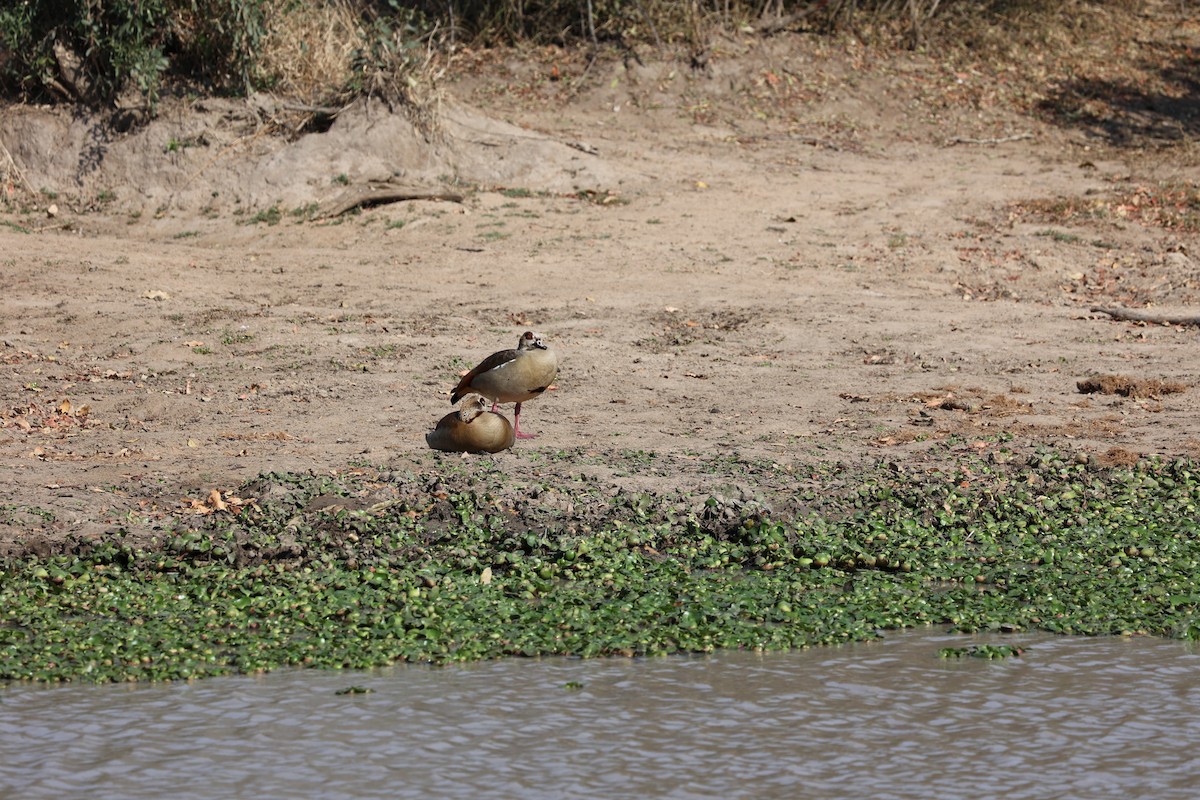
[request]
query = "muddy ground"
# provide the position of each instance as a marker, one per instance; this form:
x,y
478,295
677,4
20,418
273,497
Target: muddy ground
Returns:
x,y
805,253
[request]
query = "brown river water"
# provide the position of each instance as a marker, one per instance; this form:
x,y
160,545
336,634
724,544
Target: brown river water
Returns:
x,y
1073,717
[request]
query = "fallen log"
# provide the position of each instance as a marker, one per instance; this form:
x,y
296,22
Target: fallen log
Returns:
x,y
376,194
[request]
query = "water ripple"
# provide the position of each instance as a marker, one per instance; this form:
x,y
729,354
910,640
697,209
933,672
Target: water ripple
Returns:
x,y
1074,717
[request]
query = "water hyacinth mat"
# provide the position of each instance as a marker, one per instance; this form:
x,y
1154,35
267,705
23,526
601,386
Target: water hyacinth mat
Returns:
x,y
374,566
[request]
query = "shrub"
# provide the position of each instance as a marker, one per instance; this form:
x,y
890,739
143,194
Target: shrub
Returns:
x,y
94,50
91,52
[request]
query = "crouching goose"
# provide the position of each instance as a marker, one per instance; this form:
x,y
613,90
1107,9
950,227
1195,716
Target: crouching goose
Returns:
x,y
471,429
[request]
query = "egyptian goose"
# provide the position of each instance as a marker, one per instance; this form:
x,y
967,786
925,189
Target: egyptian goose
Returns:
x,y
512,376
471,429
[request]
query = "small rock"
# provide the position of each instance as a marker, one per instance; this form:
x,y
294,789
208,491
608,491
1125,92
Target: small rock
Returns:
x,y
52,210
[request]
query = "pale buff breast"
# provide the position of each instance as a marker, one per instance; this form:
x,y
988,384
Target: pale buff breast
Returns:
x,y
522,378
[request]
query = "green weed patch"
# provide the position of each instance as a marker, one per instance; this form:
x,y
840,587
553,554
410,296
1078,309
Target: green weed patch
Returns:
x,y
363,569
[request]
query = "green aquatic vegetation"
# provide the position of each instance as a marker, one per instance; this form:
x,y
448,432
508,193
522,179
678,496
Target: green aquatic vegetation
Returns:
x,y
375,567
988,651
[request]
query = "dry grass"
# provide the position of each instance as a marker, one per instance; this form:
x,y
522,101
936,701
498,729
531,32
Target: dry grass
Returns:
x,y
1172,204
1116,457
327,53
309,48
1126,386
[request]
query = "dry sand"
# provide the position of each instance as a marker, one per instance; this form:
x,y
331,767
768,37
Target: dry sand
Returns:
x,y
794,257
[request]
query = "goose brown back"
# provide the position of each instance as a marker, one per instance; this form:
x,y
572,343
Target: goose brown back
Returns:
x,y
512,376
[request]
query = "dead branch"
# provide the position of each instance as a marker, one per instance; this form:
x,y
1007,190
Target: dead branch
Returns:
x,y
1016,137
61,226
9,164
770,27
579,82
375,194
262,130
815,141
1133,315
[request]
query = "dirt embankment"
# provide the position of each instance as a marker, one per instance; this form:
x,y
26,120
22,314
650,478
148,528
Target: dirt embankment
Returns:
x,y
800,255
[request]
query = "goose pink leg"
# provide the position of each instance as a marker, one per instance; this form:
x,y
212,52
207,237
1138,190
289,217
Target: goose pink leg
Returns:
x,y
517,425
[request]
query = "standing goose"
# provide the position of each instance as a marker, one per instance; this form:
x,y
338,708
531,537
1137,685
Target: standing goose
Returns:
x,y
471,429
512,376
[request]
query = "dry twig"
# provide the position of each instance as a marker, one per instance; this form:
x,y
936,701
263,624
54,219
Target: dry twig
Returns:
x,y
7,164
1133,315
1016,137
